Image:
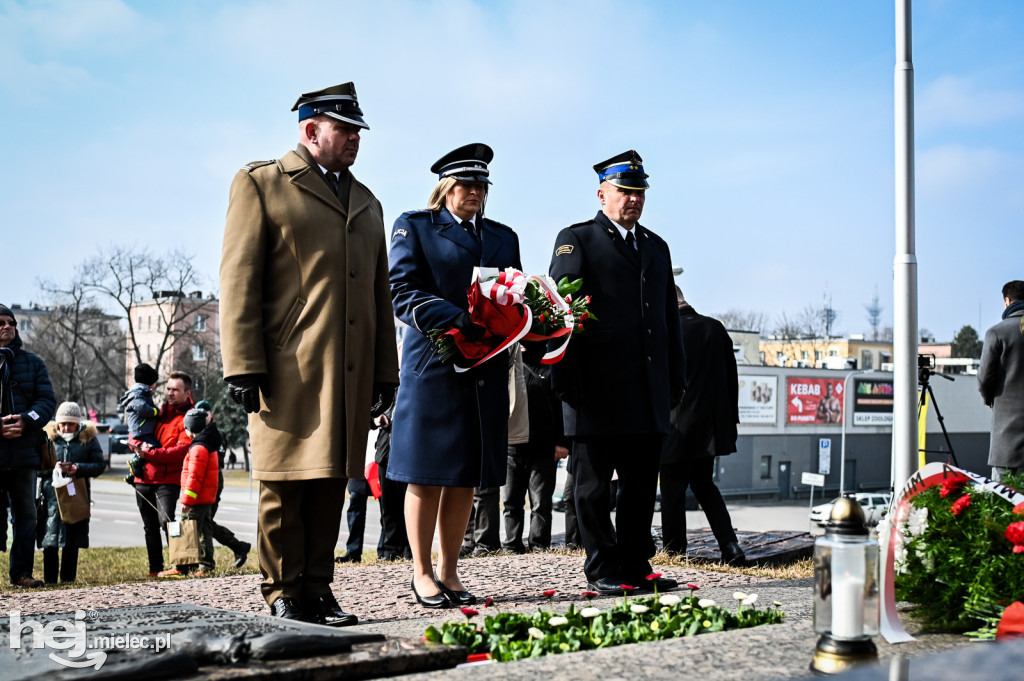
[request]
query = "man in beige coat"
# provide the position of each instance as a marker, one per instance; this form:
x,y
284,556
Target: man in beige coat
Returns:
x,y
308,340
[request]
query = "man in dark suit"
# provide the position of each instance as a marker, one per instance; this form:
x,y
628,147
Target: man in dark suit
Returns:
x,y
703,427
621,377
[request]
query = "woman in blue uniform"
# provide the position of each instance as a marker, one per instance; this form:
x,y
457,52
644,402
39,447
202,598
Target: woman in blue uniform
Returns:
x,y
450,430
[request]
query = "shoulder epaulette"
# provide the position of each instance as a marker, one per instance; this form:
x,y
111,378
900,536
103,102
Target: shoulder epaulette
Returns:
x,y
257,164
580,224
498,224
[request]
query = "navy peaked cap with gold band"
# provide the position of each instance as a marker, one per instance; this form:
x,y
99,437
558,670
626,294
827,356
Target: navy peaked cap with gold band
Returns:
x,y
338,102
624,170
468,163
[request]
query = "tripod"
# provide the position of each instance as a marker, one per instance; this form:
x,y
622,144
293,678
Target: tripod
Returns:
x,y
924,373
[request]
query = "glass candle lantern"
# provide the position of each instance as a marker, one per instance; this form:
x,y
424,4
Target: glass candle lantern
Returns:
x,y
846,605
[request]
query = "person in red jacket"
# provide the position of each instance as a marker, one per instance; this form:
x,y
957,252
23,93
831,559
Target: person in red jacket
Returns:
x,y
159,483
199,482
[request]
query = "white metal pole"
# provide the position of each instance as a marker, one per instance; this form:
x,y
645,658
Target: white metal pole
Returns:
x,y
904,429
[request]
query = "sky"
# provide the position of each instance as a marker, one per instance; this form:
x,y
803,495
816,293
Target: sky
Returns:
x,y
766,128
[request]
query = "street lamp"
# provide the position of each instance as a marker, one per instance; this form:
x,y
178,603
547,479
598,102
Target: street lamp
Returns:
x,y
842,447
845,591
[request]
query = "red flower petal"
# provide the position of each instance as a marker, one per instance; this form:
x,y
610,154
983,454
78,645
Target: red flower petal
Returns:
x,y
1019,548
589,594
1019,508
488,602
469,612
550,592
692,587
626,587
653,576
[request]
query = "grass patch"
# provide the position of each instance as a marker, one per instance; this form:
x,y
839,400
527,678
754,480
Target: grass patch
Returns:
x,y
119,565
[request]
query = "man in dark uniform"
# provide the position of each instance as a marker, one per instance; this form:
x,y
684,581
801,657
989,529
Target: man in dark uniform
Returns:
x,y
308,341
621,377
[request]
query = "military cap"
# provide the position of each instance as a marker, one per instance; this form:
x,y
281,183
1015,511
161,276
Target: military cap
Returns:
x,y
624,170
338,102
468,163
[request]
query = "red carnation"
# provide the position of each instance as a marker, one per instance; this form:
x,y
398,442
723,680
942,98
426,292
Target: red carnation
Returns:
x,y
585,316
692,587
550,592
949,487
1015,533
626,587
1019,508
589,594
653,576
469,612
960,504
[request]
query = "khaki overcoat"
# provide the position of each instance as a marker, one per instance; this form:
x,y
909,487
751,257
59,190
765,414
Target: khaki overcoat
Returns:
x,y
305,301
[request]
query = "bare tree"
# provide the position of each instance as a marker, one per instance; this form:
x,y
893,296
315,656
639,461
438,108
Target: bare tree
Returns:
x,y
744,320
127,276
77,340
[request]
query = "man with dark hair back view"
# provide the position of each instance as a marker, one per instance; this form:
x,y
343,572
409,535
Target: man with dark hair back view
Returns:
x,y
1001,382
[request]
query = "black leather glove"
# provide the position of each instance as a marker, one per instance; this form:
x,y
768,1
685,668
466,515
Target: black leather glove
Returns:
x,y
383,396
464,323
245,390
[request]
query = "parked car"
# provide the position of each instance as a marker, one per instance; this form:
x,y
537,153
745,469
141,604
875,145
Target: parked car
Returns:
x,y
119,439
874,504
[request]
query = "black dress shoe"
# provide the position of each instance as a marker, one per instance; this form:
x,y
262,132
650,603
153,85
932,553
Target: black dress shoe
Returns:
x,y
608,586
663,583
324,609
732,554
287,609
457,598
350,557
436,601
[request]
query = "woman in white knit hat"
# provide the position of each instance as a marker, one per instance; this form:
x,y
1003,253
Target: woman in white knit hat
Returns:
x,y
80,456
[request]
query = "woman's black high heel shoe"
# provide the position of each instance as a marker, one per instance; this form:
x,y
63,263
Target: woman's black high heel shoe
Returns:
x,y
435,601
457,598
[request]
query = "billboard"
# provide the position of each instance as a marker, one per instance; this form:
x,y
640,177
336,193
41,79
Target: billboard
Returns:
x,y
758,399
872,401
814,400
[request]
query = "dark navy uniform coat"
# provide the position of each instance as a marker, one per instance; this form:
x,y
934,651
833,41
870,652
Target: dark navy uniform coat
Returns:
x,y
449,429
623,371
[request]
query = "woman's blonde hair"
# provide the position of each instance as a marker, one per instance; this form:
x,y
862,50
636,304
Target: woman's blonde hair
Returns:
x,y
441,189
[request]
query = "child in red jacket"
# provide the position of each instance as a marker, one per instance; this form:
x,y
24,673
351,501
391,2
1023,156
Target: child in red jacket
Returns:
x,y
199,480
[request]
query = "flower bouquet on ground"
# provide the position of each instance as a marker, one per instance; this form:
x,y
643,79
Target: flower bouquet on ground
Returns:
x,y
507,636
958,554
510,306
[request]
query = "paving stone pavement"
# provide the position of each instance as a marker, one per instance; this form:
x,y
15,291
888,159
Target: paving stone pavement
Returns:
x,y
380,595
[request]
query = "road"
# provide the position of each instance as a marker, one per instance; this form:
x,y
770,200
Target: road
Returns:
x,y
116,521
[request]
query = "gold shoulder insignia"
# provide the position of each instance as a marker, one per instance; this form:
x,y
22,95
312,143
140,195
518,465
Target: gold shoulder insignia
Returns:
x,y
564,250
257,164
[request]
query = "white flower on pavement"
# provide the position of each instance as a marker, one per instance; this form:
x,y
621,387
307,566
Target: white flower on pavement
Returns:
x,y
637,608
749,600
558,621
706,602
670,600
590,612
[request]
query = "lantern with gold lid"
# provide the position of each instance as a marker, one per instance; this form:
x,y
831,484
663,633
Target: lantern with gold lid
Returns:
x,y
846,606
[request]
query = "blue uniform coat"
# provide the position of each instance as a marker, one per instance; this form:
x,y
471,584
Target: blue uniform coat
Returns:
x,y
449,429
627,366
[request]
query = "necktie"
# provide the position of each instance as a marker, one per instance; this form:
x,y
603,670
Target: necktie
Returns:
x,y
470,227
631,240
332,181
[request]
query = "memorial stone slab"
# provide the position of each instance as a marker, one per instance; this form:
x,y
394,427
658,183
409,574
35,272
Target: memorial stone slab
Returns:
x,y
180,639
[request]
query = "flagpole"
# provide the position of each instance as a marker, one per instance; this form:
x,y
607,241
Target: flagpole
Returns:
x,y
904,430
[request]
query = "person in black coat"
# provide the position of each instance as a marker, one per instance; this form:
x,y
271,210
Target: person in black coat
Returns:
x,y
532,465
620,378
27,404
703,427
